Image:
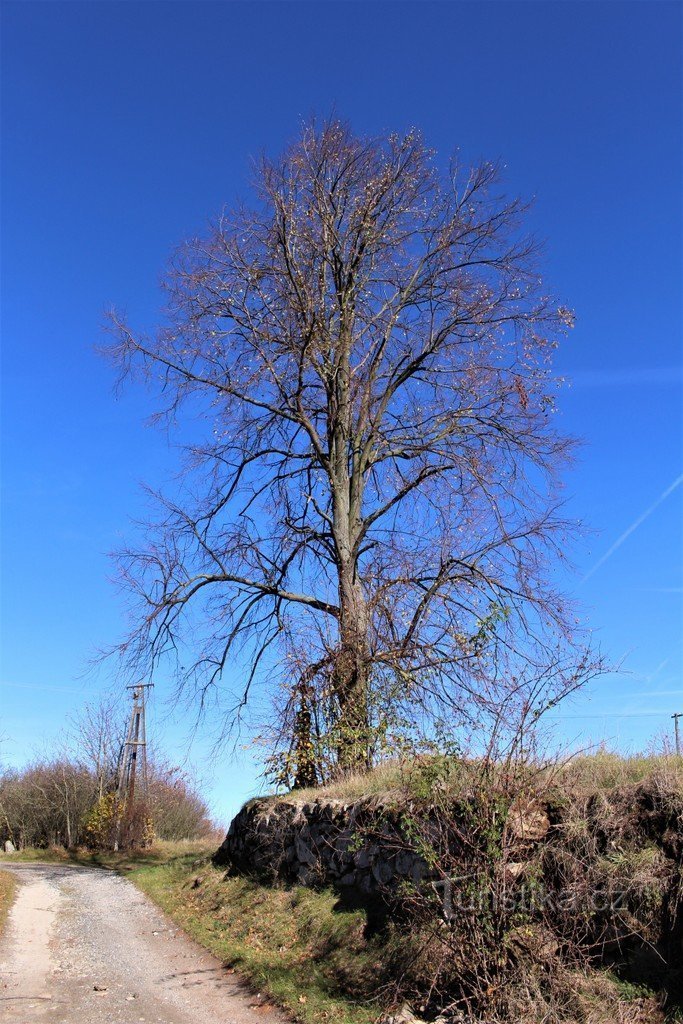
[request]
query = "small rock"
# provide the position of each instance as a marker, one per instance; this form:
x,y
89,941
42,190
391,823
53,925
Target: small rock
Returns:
x,y
404,1015
10,847
533,940
528,822
304,853
100,988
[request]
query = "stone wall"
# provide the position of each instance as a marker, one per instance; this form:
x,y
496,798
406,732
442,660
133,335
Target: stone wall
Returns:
x,y
361,846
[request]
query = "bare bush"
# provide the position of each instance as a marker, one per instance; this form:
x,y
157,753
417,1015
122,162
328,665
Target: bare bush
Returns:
x,y
45,804
64,803
176,807
529,887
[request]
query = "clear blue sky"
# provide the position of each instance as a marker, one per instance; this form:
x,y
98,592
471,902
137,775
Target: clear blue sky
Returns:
x,y
127,125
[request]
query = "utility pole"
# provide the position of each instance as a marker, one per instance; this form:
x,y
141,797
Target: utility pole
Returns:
x,y
675,717
133,760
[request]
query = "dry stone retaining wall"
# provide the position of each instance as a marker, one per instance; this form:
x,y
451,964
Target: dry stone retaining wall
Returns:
x,y
361,846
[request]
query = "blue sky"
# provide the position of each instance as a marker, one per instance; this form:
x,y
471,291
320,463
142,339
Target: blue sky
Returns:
x,y
127,125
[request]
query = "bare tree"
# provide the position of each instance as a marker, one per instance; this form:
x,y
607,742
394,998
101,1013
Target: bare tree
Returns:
x,y
375,507
96,738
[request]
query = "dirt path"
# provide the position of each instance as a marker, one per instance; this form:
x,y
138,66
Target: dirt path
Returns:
x,y
84,946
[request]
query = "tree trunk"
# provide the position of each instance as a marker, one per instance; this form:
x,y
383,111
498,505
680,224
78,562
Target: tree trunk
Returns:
x,y
350,674
350,678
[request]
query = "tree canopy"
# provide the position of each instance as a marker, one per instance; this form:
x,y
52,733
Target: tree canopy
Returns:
x,y
372,515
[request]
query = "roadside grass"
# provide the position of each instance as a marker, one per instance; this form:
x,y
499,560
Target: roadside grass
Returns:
x,y
7,890
51,854
160,853
293,945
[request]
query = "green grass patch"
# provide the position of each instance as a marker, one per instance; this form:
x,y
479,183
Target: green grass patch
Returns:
x,y
293,945
52,854
160,853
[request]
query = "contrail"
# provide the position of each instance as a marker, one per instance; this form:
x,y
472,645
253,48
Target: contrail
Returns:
x,y
634,526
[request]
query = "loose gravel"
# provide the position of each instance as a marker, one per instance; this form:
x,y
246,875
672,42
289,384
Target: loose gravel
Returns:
x,y
84,946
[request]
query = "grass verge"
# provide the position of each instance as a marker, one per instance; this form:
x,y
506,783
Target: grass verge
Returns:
x,y
7,890
295,946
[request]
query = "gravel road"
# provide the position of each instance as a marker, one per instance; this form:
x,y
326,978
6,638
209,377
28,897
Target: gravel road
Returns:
x,y
84,946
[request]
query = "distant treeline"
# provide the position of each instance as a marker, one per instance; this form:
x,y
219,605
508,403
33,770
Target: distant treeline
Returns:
x,y
49,804
54,800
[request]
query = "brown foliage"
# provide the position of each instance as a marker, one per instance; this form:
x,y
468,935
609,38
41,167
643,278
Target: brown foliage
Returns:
x,y
58,803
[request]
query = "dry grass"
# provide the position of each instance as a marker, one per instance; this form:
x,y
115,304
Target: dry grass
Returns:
x,y
602,770
7,890
384,779
605,770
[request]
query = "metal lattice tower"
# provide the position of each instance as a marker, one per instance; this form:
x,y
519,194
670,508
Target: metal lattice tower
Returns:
x,y
133,763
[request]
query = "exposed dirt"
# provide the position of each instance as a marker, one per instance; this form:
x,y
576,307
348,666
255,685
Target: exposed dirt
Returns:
x,y
84,946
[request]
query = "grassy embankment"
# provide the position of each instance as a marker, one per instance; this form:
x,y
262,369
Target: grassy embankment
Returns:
x,y
298,947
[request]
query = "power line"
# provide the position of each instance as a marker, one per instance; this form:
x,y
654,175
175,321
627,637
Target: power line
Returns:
x,y
618,714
